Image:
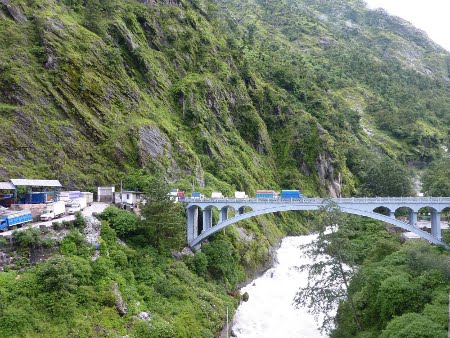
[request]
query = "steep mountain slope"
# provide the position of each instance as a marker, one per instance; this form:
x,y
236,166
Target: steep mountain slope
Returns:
x,y
234,94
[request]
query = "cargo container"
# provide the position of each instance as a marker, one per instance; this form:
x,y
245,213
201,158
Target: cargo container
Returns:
x,y
6,200
240,194
216,194
88,196
266,194
38,197
285,194
69,195
15,218
53,210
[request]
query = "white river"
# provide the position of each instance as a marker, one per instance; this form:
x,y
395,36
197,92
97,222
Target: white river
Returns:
x,y
269,311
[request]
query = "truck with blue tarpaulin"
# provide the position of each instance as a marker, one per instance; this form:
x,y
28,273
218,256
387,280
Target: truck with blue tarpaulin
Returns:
x,y
266,194
15,218
288,194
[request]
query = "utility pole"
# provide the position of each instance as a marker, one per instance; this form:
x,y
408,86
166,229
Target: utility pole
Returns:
x,y
227,324
121,195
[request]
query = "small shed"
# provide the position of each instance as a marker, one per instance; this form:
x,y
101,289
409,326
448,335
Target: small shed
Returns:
x,y
105,194
129,199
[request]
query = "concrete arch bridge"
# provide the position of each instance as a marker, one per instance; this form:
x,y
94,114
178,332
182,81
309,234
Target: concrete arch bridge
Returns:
x,y
358,206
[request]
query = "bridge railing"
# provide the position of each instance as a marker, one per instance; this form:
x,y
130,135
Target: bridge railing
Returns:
x,y
318,200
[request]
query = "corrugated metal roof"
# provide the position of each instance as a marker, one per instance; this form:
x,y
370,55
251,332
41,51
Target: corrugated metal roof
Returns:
x,y
36,183
7,186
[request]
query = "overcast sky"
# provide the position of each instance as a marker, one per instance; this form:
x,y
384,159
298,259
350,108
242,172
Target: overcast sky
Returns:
x,y
432,16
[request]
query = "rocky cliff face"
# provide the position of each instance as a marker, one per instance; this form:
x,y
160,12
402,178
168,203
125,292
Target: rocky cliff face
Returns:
x,y
235,95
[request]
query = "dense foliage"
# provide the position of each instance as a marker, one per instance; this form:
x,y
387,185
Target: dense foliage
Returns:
x,y
436,179
397,291
240,95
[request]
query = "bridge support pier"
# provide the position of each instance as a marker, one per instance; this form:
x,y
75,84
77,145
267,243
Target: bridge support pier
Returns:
x,y
223,214
391,213
436,224
207,219
413,218
192,223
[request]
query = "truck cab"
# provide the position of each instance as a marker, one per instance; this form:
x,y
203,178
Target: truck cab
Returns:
x,y
47,215
74,208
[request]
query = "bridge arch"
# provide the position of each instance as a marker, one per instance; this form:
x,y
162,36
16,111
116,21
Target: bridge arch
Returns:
x,y
433,238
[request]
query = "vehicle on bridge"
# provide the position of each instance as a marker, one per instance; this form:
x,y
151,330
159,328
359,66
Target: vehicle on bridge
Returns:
x,y
266,194
15,218
240,194
288,194
196,194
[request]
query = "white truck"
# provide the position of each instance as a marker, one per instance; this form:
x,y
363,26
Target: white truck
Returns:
x,y
240,194
77,205
88,196
216,194
53,210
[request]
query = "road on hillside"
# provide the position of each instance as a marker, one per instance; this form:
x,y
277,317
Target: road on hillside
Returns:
x,y
96,207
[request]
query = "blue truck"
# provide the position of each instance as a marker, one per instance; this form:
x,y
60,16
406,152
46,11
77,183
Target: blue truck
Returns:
x,y
288,194
15,218
196,194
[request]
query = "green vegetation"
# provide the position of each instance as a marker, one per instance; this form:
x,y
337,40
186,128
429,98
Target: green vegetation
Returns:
x,y
326,96
436,179
238,96
396,291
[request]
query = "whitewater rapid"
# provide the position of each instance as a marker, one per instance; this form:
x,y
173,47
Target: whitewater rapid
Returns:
x,y
270,311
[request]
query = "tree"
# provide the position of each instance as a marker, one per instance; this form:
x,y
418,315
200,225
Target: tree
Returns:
x,y
163,220
122,221
386,177
413,325
436,179
28,238
328,276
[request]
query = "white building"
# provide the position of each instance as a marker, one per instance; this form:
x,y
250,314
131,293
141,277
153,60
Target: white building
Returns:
x,y
129,199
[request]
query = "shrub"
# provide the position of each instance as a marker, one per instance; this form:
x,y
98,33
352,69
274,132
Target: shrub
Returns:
x,y
28,238
79,222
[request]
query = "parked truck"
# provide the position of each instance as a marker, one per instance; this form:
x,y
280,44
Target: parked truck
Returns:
x,y
53,210
77,205
15,218
288,194
88,196
196,194
216,194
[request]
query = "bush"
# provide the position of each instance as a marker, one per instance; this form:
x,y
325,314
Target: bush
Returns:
x,y
197,263
79,222
122,221
413,325
28,238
